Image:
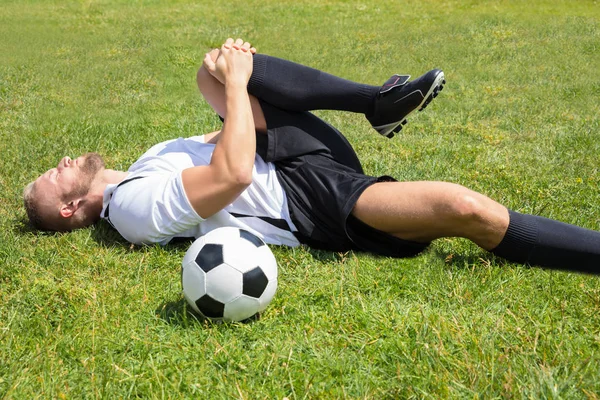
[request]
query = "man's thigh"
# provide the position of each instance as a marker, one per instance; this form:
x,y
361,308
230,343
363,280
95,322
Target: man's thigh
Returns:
x,y
425,210
294,134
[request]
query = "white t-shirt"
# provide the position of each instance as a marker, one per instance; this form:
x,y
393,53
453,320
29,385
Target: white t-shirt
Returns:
x,y
155,208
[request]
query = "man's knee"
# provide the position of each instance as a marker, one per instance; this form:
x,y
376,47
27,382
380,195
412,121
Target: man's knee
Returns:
x,y
478,218
466,205
203,77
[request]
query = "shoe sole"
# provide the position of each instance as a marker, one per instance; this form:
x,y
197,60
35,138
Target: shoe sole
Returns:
x,y
437,86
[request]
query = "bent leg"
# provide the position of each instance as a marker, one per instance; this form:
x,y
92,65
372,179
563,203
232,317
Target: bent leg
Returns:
x,y
424,211
296,87
293,87
300,131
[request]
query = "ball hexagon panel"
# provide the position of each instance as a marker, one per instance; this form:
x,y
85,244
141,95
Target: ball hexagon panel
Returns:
x,y
210,256
255,282
241,308
193,280
192,252
210,307
224,283
222,235
241,256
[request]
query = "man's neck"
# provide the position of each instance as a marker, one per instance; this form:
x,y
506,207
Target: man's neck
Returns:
x,y
111,176
106,177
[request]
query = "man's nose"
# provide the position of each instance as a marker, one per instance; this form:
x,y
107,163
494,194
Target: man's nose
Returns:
x,y
64,162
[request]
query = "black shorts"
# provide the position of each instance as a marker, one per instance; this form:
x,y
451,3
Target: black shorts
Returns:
x,y
323,179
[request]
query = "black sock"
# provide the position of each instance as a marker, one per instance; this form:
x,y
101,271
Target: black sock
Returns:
x,y
296,87
551,244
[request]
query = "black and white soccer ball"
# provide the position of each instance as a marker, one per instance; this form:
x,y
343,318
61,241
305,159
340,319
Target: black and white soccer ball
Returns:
x,y
229,274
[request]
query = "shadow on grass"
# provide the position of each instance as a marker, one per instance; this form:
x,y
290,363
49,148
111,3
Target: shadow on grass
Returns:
x,y
467,260
328,256
21,226
101,232
105,235
179,313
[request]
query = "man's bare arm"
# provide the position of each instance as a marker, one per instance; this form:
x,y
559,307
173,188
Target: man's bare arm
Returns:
x,y
212,137
212,187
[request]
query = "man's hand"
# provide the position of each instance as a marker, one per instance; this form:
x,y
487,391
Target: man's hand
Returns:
x,y
218,68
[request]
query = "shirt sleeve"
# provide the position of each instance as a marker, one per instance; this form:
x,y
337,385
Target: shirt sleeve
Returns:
x,y
153,209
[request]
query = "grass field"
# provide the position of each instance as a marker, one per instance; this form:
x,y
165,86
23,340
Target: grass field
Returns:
x,y
85,315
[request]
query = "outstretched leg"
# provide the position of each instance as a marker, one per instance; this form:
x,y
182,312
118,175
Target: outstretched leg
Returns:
x,y
424,211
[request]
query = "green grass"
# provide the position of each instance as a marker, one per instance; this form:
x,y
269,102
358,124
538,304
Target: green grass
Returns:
x,y
85,315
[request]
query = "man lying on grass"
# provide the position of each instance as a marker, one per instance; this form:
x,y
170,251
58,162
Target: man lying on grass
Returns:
x,y
290,178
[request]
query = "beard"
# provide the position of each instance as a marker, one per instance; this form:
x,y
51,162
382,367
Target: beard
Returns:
x,y
93,163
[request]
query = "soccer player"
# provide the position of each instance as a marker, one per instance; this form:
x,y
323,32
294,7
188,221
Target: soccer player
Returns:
x,y
290,178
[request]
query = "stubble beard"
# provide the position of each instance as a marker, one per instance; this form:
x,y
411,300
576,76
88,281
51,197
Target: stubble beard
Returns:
x,y
93,163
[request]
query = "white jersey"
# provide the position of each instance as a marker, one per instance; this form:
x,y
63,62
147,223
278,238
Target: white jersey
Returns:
x,y
150,205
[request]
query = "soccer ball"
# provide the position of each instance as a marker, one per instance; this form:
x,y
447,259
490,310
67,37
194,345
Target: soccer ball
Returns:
x,y
229,274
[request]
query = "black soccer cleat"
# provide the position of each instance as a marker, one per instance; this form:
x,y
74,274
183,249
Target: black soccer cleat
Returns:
x,y
398,97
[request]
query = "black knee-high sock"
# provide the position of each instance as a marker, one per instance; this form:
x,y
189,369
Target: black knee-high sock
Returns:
x,y
552,244
296,87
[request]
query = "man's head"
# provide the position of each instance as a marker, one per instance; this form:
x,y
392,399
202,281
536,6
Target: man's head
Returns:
x,y
59,200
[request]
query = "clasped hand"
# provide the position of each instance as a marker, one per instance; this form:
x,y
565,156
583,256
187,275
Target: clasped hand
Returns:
x,y
232,63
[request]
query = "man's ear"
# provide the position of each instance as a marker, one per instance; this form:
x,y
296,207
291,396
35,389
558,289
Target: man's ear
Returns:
x,y
67,210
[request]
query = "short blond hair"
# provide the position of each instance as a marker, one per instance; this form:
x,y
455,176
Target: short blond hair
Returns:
x,y
32,207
